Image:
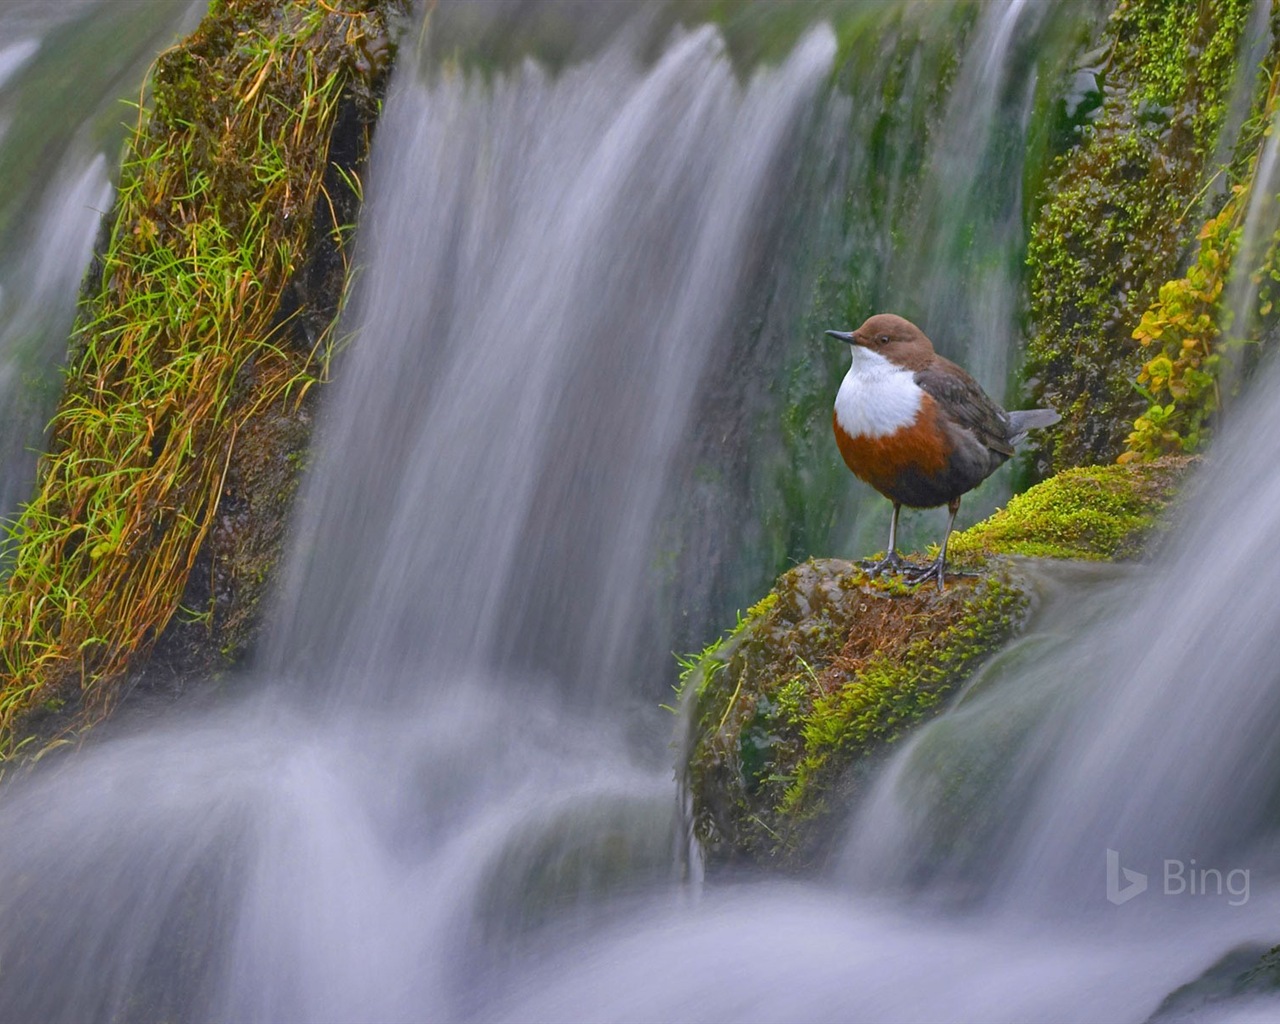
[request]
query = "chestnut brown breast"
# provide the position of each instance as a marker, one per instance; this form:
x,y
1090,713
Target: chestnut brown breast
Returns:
x,y
909,466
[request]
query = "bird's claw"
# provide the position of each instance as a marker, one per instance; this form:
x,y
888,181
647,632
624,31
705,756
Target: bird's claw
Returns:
x,y
936,570
891,563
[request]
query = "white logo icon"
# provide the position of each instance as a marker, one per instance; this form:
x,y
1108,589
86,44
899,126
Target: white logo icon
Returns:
x,y
1135,881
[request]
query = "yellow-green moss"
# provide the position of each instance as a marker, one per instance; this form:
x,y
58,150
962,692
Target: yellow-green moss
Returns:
x,y
207,305
1186,328
827,670
1119,210
1095,512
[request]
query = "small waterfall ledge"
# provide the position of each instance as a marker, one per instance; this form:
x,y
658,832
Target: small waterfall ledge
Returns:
x,y
787,716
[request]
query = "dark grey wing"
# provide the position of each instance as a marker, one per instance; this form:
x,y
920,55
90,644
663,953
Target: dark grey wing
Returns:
x,y
967,404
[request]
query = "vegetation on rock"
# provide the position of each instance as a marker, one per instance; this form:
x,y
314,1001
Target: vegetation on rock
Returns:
x,y
1191,320
212,303
786,712
829,668
1091,512
1119,213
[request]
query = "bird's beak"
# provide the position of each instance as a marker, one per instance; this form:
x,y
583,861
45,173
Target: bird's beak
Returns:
x,y
845,336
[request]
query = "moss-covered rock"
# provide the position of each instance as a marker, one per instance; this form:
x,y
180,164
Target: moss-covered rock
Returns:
x,y
787,713
829,668
1093,512
1237,977
205,321
1121,208
1202,316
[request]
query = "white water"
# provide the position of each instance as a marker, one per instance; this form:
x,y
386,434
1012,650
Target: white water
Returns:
x,y
445,801
964,278
563,258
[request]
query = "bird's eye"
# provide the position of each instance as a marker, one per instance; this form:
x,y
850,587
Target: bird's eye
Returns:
x,y
883,339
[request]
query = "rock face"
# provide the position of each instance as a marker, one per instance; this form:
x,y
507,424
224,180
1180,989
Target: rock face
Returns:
x,y
821,675
786,714
1122,206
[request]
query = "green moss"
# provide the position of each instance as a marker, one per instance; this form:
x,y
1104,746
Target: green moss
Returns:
x,y
895,690
824,673
787,713
211,302
1119,213
1096,512
1195,318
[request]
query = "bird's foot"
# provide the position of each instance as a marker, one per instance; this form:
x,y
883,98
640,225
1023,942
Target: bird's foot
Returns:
x,y
891,563
936,570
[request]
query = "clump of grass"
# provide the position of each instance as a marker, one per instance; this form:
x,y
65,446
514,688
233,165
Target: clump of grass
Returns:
x,y
183,334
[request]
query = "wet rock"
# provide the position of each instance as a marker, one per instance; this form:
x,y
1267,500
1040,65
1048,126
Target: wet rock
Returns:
x,y
832,666
786,715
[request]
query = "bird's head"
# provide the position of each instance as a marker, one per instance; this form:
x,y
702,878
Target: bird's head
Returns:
x,y
893,337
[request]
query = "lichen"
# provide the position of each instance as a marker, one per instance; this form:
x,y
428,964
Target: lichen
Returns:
x,y
830,668
1093,512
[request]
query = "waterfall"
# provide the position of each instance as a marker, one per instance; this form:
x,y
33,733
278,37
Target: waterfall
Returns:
x,y
554,267
963,272
444,750
444,791
950,249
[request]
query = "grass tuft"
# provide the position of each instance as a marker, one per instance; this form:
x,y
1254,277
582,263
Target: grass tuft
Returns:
x,y
183,335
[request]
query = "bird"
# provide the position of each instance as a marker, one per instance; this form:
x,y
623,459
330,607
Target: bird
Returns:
x,y
919,429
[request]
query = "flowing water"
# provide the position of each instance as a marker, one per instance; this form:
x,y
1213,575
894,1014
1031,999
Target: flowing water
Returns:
x,y
448,793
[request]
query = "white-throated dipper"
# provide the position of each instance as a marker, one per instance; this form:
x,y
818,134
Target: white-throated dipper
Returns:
x,y
919,429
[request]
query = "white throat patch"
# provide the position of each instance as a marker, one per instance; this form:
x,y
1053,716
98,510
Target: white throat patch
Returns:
x,y
876,397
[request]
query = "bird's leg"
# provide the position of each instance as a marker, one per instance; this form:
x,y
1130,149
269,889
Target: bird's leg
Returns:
x,y
938,569
891,562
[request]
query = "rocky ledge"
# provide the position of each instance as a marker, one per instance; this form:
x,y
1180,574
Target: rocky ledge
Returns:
x,y
786,714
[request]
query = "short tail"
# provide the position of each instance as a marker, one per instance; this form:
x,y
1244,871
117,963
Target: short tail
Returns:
x,y
1029,419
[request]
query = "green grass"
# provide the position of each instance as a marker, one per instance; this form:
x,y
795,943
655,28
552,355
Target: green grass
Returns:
x,y
181,338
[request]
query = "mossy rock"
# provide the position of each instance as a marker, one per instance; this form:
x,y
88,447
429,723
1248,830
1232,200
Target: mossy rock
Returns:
x,y
1237,977
207,318
1093,512
829,668
787,713
1120,210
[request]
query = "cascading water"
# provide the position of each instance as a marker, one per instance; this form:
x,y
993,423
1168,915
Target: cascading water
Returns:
x,y
551,266
442,802
507,422
965,273
950,254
